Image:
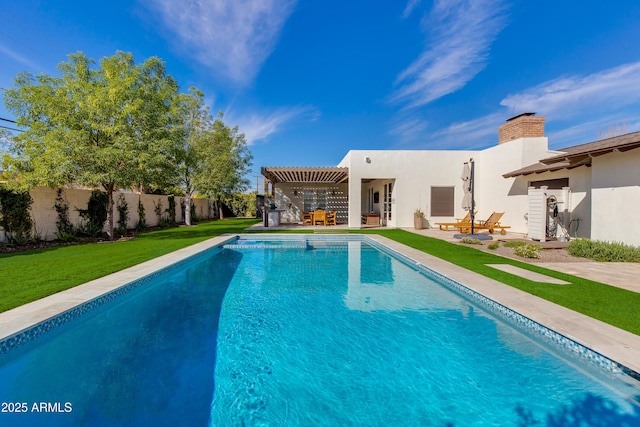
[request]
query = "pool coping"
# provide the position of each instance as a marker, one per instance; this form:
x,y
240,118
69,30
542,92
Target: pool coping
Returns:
x,y
613,343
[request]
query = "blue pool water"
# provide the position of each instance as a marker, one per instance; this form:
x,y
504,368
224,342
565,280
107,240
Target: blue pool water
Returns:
x,y
319,334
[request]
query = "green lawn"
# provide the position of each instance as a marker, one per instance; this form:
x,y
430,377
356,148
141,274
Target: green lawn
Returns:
x,y
28,276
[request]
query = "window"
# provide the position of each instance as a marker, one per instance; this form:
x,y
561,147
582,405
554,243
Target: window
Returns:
x,y
442,201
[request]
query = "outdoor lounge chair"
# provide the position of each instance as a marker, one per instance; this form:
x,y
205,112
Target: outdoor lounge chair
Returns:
x,y
459,223
492,223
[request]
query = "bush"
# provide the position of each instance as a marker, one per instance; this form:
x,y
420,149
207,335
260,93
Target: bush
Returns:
x,y
493,246
604,251
243,205
123,215
14,216
470,241
171,211
95,215
142,219
528,250
63,223
64,228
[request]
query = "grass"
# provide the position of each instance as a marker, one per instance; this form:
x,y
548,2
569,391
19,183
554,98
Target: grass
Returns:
x,y
28,276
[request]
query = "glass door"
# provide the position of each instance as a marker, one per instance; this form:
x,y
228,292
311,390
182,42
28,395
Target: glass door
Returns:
x,y
387,211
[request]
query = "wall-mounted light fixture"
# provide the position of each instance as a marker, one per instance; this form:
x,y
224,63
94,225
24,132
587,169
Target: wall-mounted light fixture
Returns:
x,y
367,159
295,192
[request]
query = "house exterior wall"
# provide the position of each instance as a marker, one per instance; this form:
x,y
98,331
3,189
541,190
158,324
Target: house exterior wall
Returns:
x,y
616,197
415,172
494,193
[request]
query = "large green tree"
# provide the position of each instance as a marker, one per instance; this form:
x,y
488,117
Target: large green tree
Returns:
x,y
226,160
195,122
107,126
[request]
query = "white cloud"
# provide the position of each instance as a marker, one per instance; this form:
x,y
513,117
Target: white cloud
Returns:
x,y
566,97
19,58
459,36
258,127
411,5
232,37
472,134
409,129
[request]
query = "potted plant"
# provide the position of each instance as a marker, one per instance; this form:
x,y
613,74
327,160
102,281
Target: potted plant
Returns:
x,y
418,219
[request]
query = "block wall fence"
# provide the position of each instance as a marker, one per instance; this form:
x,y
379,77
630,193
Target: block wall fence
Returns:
x,y
45,216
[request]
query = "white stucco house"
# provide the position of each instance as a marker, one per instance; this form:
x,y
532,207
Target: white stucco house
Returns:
x,y
590,190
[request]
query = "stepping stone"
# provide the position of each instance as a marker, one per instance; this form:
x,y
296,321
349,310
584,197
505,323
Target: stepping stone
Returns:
x,y
536,277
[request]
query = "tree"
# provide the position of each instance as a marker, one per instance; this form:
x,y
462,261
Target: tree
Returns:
x,y
195,122
226,161
106,127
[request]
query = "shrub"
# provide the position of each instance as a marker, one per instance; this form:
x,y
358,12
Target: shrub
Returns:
x,y
470,241
494,246
123,215
528,250
142,219
604,251
14,216
171,211
64,228
95,215
157,208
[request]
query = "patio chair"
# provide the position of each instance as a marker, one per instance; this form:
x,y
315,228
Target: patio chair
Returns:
x,y
331,218
319,216
307,218
492,223
459,223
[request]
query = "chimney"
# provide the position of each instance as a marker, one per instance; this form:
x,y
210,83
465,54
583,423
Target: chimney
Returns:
x,y
525,125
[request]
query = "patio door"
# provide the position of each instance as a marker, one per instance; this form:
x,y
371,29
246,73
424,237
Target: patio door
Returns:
x,y
387,204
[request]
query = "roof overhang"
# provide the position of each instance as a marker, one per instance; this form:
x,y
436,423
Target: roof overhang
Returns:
x,y
541,168
311,175
580,155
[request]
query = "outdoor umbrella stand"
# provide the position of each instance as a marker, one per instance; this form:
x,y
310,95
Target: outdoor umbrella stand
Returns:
x,y
468,201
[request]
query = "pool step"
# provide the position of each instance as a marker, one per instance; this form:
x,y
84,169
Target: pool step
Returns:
x,y
256,244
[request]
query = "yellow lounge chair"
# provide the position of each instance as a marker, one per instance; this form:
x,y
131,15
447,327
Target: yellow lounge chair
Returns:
x,y
459,223
492,223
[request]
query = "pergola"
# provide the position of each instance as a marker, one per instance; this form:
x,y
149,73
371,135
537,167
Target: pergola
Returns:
x,y
315,175
301,175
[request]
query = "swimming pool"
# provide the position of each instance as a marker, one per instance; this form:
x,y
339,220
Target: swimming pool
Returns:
x,y
313,331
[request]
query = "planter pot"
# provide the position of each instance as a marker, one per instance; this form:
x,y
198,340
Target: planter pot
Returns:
x,y
418,222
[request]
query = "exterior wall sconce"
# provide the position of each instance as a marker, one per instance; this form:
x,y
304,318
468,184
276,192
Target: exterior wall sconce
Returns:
x,y
367,159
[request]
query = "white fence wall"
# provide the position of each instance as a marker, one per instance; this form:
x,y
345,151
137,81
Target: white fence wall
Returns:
x,y
45,216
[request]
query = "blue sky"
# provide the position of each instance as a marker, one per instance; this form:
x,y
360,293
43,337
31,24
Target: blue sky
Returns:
x,y
306,81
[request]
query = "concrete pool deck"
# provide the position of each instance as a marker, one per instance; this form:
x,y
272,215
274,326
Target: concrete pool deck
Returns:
x,y
614,343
